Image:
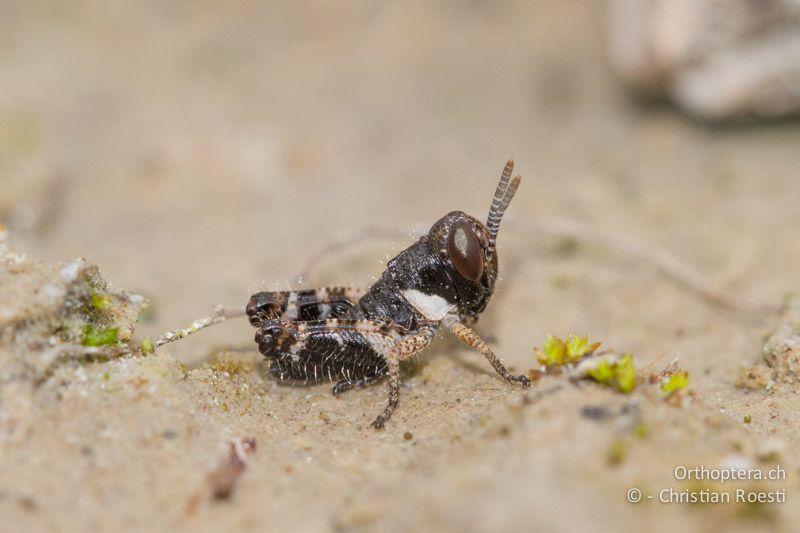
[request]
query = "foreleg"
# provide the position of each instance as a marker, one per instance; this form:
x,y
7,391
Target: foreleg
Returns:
x,y
471,338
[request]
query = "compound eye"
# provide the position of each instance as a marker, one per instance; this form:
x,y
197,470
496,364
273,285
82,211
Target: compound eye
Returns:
x,y
465,251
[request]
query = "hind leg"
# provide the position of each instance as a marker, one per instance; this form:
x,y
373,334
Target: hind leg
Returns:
x,y
309,304
350,350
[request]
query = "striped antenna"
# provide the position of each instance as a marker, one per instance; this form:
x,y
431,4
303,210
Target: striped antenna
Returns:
x,y
502,197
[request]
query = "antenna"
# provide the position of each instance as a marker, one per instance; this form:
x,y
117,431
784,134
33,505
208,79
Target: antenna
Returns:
x,y
502,197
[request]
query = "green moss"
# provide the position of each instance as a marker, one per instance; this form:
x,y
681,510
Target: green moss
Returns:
x,y
554,352
100,301
557,352
576,346
147,347
641,430
625,374
602,373
676,381
747,419
620,374
579,347
99,337
617,452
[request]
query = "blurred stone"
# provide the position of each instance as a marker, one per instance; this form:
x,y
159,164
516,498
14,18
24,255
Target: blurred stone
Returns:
x,y
782,349
45,308
781,353
755,378
770,449
716,59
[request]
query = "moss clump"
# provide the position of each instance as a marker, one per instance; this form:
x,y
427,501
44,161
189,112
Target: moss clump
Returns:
x,y
641,430
619,374
147,347
602,373
558,352
99,337
625,374
675,382
617,452
100,301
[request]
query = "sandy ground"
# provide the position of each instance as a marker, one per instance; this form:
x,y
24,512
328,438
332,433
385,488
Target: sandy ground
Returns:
x,y
197,154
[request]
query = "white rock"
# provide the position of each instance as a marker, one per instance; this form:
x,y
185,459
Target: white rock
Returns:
x,y
717,59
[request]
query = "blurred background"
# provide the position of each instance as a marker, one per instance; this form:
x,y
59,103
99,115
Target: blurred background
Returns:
x,y
200,151
196,151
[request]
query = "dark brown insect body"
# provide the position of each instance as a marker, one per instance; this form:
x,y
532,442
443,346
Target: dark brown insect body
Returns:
x,y
446,278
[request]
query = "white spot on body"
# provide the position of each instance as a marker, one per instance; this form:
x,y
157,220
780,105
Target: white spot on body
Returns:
x,y
291,306
300,345
460,240
431,306
324,310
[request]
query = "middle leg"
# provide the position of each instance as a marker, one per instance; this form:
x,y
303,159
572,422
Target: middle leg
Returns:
x,y
411,344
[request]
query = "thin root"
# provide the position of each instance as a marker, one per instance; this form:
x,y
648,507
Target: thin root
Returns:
x,y
220,314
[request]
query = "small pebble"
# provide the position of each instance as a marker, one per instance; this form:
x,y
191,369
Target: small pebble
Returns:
x,y
594,412
770,450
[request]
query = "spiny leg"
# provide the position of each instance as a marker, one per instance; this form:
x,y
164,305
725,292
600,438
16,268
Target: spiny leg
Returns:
x,y
393,361
407,347
471,338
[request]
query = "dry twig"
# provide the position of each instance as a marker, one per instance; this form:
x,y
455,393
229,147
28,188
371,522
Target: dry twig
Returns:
x,y
220,314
